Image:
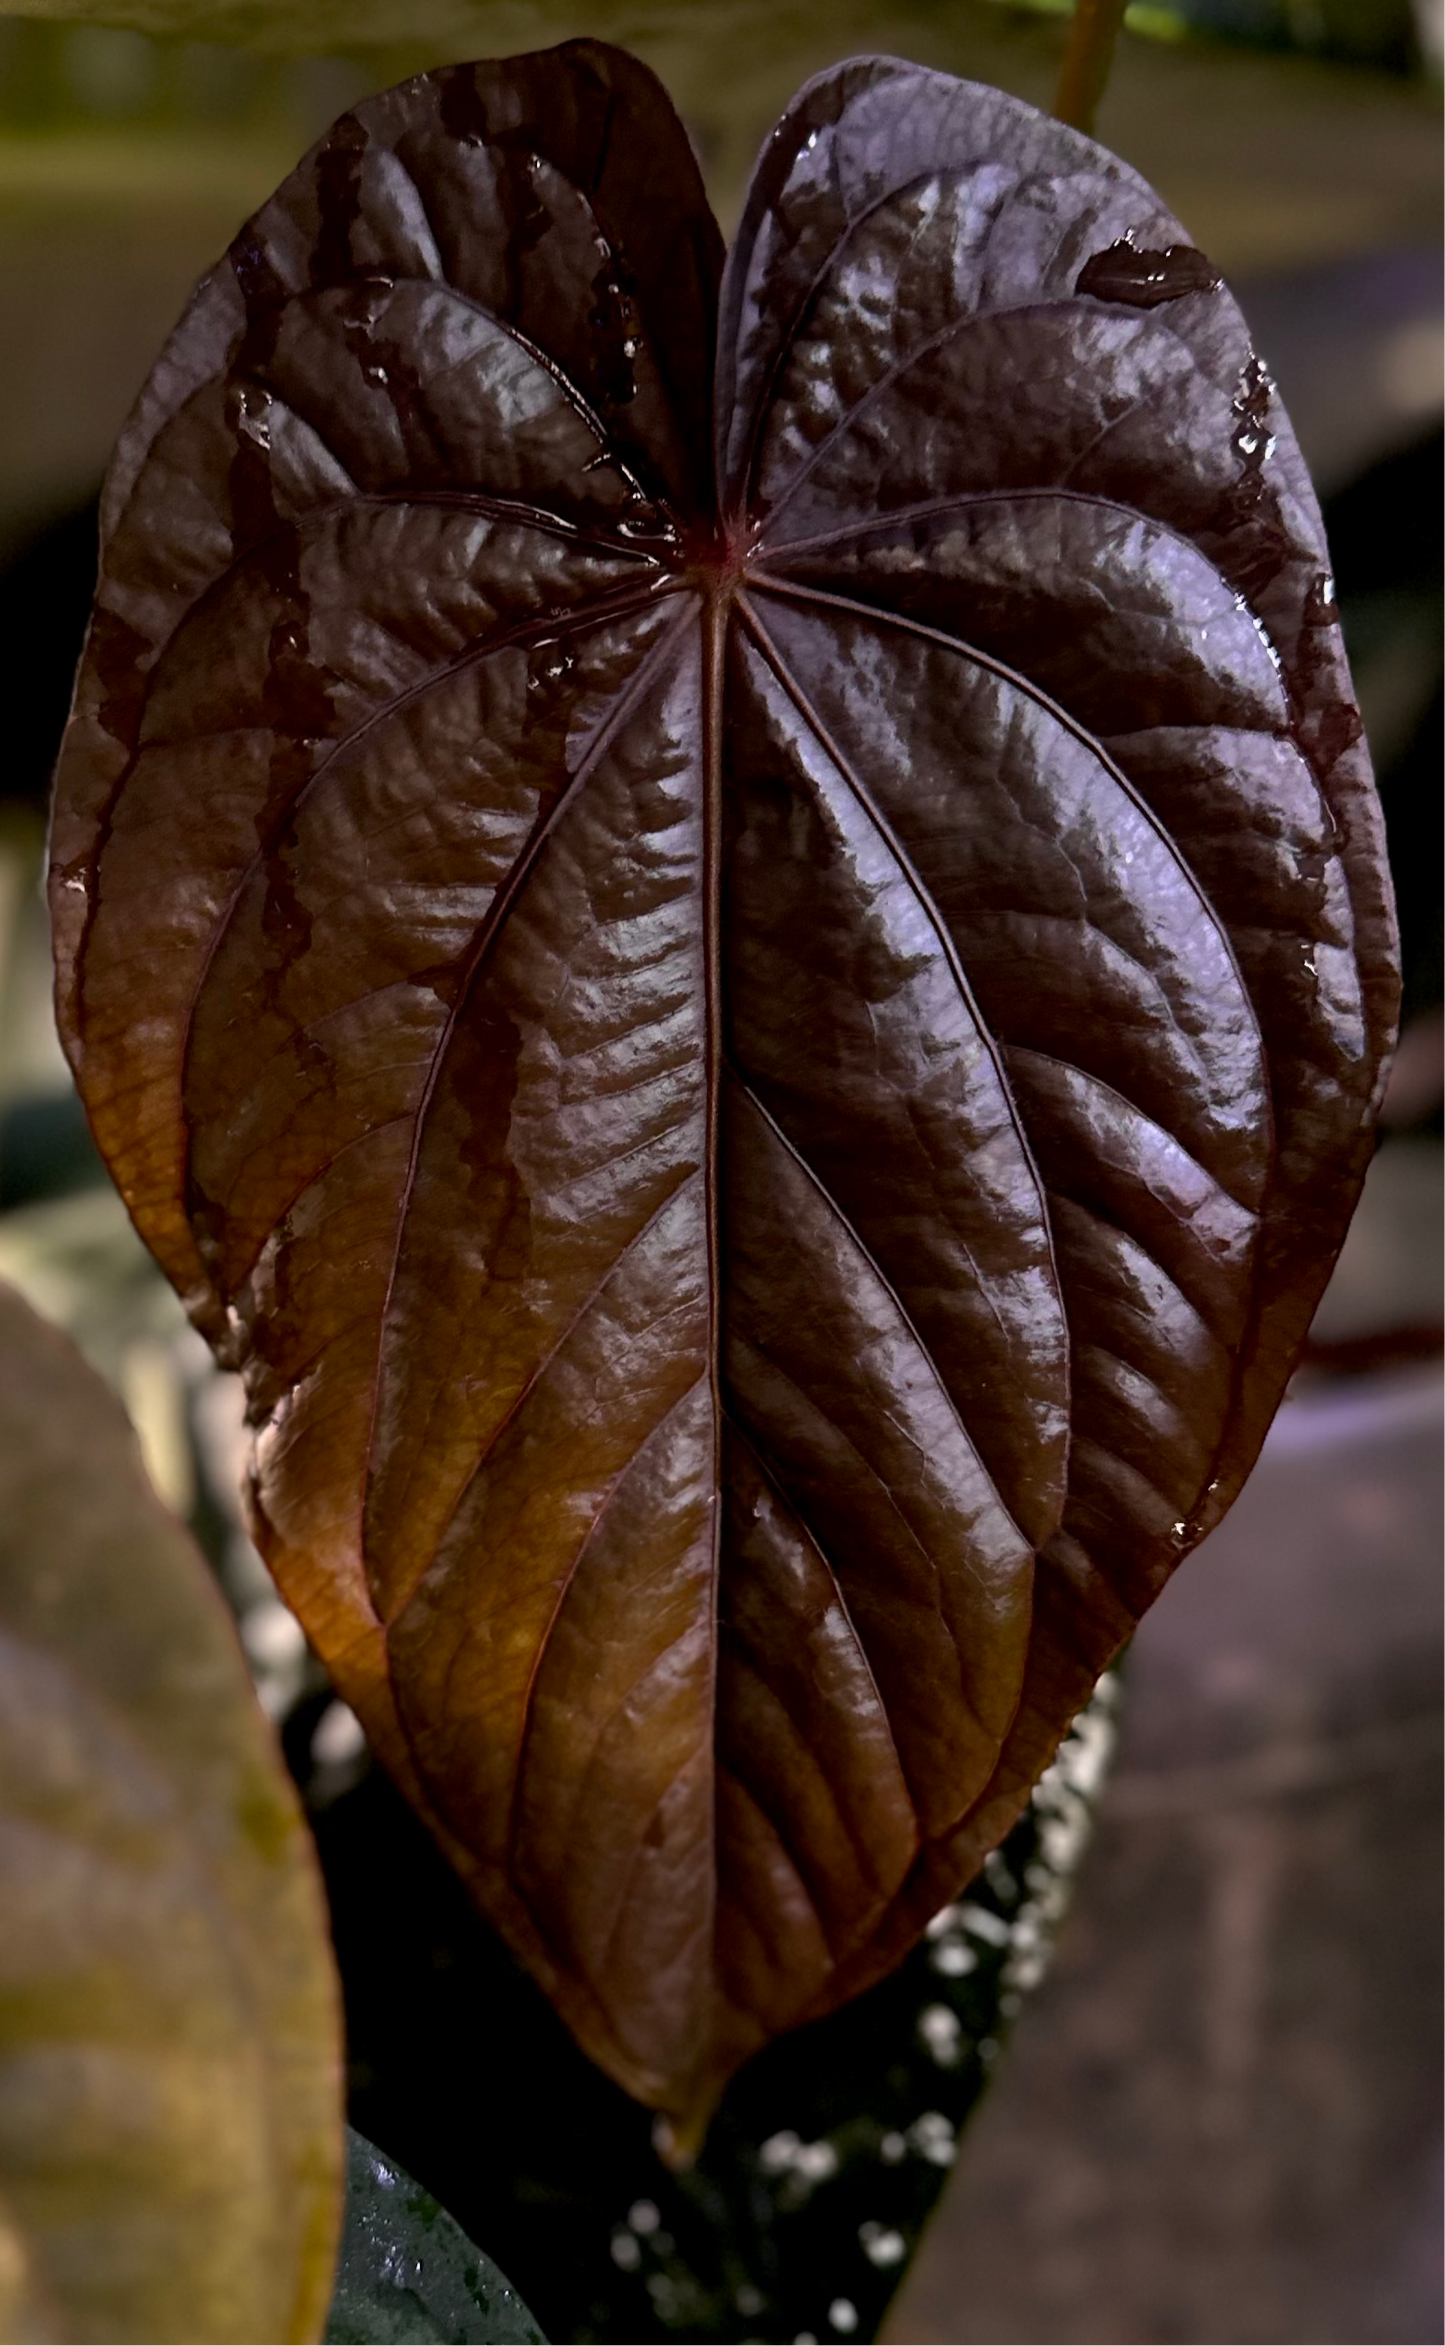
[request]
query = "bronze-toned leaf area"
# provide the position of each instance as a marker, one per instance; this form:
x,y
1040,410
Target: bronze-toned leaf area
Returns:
x,y
727,924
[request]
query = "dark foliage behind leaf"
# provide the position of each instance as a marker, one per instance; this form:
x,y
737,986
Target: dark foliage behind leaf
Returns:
x,y
45,591
754,1011
408,2273
826,2157
1387,555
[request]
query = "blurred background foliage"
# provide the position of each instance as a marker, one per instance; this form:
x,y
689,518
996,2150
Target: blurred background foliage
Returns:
x,y
126,162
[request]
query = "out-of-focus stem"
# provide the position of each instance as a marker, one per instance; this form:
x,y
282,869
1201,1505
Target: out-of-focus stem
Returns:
x,y
1087,60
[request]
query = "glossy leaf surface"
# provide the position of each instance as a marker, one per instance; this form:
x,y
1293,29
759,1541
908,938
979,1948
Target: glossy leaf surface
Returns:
x,y
747,982
170,2121
409,2273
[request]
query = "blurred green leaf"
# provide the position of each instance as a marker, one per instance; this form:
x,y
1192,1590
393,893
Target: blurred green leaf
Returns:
x,y
302,27
729,65
408,2274
169,2059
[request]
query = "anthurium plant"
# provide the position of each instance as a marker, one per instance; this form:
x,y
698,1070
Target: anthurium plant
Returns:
x,y
723,915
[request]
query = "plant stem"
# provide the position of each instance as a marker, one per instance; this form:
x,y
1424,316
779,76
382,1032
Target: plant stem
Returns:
x,y
1087,60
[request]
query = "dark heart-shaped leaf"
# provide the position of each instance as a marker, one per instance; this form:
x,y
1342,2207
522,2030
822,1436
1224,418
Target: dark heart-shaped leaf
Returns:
x,y
409,2273
170,2063
761,1066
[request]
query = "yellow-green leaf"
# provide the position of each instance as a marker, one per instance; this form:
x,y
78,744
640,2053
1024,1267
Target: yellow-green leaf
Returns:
x,y
300,27
170,2132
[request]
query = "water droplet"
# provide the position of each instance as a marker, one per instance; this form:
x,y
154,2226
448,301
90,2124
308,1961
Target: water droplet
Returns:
x,y
843,2314
1142,277
549,663
643,2216
255,416
1253,442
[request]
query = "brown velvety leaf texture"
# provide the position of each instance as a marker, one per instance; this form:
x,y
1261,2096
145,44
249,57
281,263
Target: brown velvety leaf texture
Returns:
x,y
728,926
170,2062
